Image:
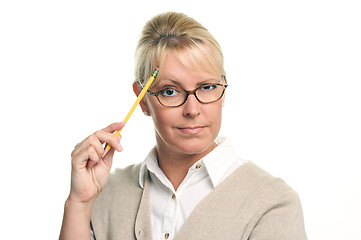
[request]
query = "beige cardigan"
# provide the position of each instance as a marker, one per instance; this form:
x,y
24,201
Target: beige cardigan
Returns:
x,y
249,204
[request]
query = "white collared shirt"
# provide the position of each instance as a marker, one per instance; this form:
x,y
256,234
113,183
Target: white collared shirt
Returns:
x,y
170,208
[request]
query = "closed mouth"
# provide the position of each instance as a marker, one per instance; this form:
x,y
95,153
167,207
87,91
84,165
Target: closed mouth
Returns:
x,y
192,130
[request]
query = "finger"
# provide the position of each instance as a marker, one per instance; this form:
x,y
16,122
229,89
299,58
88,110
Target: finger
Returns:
x,y
90,140
114,127
108,159
96,140
85,157
93,157
77,145
97,145
109,138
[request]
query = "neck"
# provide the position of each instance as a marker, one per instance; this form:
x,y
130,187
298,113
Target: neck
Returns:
x,y
175,165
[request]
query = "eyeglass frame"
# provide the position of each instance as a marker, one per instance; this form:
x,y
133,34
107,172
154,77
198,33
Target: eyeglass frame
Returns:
x,y
190,92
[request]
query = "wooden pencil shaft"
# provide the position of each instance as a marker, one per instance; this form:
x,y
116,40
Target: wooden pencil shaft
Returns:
x,y
141,95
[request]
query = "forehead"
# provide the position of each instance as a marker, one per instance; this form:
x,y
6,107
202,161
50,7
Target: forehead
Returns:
x,y
194,59
184,71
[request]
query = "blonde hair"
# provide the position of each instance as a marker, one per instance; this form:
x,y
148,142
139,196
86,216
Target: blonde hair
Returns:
x,y
174,32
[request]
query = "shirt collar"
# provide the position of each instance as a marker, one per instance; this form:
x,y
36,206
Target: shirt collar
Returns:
x,y
149,162
219,160
216,162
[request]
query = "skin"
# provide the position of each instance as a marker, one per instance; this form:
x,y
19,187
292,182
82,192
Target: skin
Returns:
x,y
89,175
183,136
186,133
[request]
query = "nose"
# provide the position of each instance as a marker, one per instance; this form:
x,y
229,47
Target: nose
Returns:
x,y
191,107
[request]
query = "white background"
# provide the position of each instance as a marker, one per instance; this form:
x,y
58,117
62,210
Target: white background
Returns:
x,y
293,104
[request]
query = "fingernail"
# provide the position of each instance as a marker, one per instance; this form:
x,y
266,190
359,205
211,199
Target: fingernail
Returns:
x,y
120,147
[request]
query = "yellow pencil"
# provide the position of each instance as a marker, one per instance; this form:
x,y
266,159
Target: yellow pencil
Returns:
x,y
141,95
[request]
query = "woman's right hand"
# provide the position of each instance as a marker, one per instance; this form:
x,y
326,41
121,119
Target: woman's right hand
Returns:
x,y
90,171
89,175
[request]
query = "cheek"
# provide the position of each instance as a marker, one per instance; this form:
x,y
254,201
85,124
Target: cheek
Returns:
x,y
160,118
161,115
215,113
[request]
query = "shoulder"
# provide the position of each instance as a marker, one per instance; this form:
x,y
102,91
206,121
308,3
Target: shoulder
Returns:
x,y
270,200
254,204
130,175
257,191
256,180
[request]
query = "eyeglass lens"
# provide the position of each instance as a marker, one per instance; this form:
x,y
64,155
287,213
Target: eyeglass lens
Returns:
x,y
173,97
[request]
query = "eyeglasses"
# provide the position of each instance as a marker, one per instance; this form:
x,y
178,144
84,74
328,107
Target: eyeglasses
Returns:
x,y
175,97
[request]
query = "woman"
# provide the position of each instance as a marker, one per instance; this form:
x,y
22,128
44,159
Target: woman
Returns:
x,y
191,185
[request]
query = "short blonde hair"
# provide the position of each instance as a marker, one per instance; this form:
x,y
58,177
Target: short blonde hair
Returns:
x,y
174,32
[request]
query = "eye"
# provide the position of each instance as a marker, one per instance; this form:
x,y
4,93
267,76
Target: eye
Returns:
x,y
170,92
209,87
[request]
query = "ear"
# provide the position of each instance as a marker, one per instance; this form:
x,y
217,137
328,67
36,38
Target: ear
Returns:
x,y
143,104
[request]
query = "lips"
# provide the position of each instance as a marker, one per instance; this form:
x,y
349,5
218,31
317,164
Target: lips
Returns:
x,y
192,130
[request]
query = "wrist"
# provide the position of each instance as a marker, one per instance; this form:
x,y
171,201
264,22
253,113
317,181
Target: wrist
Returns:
x,y
76,219
83,208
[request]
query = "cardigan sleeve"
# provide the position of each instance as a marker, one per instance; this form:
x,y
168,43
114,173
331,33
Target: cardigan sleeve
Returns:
x,y
281,220
92,237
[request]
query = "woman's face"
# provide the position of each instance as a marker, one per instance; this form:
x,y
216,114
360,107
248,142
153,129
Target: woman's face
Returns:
x,y
191,128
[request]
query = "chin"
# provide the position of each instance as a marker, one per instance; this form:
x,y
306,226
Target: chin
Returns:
x,y
195,146
187,144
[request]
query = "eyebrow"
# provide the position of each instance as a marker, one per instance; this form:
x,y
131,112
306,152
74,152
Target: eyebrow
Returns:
x,y
178,83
